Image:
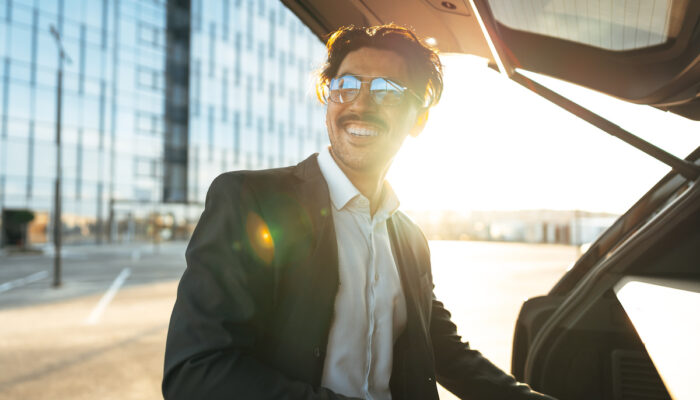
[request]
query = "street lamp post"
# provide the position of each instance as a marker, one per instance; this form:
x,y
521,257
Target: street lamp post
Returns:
x,y
57,231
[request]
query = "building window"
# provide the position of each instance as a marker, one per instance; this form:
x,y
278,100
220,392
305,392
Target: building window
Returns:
x,y
237,61
35,24
103,105
272,39
236,136
8,11
249,102
147,123
150,35
224,95
145,167
280,143
5,96
212,49
197,15
147,78
81,66
79,165
210,130
249,26
281,72
225,20
271,106
103,33
292,108
196,80
261,141
261,66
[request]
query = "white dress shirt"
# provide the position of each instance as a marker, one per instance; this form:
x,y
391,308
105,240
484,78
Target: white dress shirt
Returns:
x,y
370,308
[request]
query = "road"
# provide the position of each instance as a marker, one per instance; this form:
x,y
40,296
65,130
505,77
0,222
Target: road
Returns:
x,y
483,284
102,334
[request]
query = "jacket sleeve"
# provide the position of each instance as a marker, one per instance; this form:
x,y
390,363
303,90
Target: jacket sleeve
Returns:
x,y
215,323
467,373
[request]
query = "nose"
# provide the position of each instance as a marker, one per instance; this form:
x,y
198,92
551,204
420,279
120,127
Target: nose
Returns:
x,y
364,99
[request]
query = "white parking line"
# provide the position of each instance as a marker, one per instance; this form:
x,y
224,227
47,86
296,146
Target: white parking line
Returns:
x,y
23,281
107,297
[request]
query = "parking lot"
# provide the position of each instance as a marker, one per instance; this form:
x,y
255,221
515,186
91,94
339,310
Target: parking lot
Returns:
x,y
102,334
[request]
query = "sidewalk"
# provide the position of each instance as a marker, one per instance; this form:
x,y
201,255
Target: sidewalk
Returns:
x,y
47,250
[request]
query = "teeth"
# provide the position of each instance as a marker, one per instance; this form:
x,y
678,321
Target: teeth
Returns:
x,y
361,130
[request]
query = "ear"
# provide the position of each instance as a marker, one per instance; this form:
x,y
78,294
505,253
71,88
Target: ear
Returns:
x,y
421,120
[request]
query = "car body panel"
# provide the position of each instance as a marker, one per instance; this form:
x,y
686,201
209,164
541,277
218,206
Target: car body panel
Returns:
x,y
582,326
666,76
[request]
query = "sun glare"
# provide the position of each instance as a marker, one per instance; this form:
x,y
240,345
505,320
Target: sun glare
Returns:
x,y
493,145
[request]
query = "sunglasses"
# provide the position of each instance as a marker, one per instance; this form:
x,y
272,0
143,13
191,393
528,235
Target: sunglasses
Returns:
x,y
383,91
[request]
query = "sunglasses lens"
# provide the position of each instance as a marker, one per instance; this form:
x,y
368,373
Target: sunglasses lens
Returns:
x,y
386,92
344,89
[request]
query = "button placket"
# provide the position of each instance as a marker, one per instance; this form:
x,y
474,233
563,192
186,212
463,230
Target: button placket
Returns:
x,y
371,304
371,298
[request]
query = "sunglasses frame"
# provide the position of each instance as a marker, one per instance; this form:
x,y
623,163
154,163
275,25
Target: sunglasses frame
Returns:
x,y
367,79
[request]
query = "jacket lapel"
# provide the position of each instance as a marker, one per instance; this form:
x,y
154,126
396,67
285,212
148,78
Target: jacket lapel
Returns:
x,y
406,262
311,283
412,351
323,262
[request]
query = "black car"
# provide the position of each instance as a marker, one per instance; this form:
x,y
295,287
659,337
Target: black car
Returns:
x,y
623,322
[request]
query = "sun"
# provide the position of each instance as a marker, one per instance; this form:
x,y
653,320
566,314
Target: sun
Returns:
x,y
491,144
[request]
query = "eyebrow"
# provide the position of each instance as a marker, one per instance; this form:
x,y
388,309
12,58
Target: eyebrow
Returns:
x,y
346,73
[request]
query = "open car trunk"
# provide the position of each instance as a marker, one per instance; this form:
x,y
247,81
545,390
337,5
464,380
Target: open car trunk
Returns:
x,y
585,340
645,52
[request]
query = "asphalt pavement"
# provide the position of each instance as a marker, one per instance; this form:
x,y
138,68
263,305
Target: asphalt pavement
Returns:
x,y
101,335
27,279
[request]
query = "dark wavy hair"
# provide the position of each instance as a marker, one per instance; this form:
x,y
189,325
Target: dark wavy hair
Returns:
x,y
424,66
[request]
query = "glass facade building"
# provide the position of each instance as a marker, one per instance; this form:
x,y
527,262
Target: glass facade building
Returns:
x,y
159,97
252,103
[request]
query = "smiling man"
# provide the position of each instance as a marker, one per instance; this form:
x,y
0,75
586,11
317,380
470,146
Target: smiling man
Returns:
x,y
306,282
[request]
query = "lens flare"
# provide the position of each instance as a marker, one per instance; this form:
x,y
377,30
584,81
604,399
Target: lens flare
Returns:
x,y
260,238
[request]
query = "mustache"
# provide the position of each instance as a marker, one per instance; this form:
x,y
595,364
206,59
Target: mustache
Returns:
x,y
369,118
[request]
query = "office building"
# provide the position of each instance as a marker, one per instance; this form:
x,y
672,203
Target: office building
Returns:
x,y
158,98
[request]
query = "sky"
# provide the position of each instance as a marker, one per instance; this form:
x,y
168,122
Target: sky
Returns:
x,y
493,145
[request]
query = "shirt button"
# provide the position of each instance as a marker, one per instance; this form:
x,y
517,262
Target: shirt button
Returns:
x,y
317,352
430,379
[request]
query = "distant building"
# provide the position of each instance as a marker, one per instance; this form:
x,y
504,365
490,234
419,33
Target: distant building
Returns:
x,y
160,97
532,226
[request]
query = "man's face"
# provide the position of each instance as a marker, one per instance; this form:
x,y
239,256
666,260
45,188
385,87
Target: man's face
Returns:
x,y
365,136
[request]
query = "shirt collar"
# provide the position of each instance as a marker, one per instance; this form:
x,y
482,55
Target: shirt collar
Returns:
x,y
342,191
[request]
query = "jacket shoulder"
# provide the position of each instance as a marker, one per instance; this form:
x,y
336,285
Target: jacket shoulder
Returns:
x,y
254,177
260,181
408,226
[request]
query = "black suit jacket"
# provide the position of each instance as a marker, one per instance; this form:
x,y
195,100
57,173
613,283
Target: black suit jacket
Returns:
x,y
252,316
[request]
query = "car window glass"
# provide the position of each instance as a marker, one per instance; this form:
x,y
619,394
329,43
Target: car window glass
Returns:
x,y
611,25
